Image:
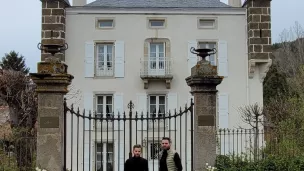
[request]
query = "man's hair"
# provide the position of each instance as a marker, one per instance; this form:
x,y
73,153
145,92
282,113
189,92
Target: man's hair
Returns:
x,y
137,146
167,138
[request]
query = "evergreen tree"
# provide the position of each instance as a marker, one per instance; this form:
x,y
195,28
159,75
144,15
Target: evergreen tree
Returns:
x,y
14,62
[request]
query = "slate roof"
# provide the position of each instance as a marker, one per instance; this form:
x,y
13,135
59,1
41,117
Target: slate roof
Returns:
x,y
158,4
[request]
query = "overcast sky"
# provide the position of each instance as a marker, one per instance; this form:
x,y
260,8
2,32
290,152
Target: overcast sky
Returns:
x,y
20,27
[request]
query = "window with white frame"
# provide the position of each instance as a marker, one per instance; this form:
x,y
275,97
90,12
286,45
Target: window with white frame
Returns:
x,y
154,150
105,23
157,105
209,45
105,59
157,23
104,105
104,156
206,23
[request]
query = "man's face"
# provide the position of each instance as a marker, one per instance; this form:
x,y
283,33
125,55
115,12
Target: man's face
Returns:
x,y
165,144
136,152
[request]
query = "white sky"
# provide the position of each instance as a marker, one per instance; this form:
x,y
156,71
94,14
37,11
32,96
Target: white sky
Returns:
x,y
20,27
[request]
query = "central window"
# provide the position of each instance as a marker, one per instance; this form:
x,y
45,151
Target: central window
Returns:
x,y
104,157
104,104
157,105
104,64
157,59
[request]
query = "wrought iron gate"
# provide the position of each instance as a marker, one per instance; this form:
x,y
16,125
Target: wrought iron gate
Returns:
x,y
103,141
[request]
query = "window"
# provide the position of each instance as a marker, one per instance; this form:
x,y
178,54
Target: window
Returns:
x,y
209,45
104,105
104,157
105,60
154,150
105,23
157,23
157,105
206,23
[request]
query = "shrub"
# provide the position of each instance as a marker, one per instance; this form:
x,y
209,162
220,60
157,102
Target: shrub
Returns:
x,y
272,163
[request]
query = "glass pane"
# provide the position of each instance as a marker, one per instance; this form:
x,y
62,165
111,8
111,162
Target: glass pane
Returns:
x,y
152,56
109,109
153,109
162,100
110,147
100,57
98,165
157,23
207,23
100,65
161,48
109,65
212,45
161,109
99,109
99,157
106,23
152,48
152,99
101,49
99,99
109,57
99,147
109,99
203,45
109,49
161,55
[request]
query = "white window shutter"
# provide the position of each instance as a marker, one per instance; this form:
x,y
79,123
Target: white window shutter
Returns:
x,y
141,108
223,110
192,58
86,155
118,110
119,59
89,59
223,58
119,159
172,106
88,98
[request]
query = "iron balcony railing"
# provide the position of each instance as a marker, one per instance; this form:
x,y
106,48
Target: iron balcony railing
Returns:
x,y
156,67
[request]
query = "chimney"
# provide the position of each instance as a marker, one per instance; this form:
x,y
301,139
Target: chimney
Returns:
x,y
259,36
53,24
235,3
79,2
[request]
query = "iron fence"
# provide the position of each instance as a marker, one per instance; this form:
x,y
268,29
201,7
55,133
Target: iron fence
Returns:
x,y
104,141
258,144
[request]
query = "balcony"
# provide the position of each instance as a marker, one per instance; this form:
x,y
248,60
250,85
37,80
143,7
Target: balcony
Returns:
x,y
156,69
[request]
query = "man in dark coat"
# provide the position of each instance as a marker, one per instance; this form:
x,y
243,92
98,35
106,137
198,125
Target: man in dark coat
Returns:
x,y
136,163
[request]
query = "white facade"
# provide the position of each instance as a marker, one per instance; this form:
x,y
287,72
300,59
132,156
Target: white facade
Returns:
x,y
128,40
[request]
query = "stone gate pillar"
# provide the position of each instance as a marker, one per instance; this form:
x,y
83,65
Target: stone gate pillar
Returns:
x,y
52,81
203,82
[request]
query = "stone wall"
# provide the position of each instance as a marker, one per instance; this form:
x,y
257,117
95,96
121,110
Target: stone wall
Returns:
x,y
259,28
53,19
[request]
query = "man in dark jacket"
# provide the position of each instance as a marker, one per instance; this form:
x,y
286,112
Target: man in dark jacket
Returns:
x,y
169,158
136,163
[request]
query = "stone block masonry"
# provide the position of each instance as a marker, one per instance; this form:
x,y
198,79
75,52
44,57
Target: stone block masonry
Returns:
x,y
53,25
258,28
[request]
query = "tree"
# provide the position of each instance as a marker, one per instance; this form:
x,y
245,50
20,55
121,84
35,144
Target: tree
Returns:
x,y
17,90
12,61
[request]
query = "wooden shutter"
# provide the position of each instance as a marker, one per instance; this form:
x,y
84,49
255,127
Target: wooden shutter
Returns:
x,y
172,105
192,58
223,58
89,59
119,59
141,107
118,110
